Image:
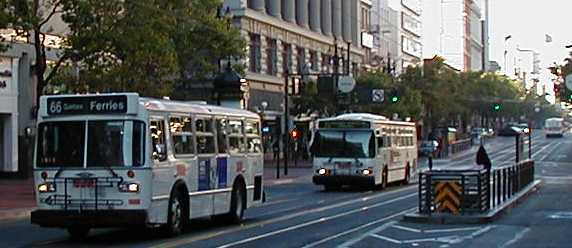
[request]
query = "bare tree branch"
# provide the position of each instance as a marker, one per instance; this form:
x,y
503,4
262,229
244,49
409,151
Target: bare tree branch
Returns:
x,y
54,70
52,13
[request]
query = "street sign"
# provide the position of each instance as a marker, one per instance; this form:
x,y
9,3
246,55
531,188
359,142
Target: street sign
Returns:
x,y
346,84
569,81
377,95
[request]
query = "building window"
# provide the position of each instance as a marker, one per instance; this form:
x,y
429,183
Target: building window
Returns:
x,y
254,65
314,60
286,57
271,67
365,17
300,58
325,62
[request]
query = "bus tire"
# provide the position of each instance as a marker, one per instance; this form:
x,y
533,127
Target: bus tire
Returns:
x,y
237,204
177,213
384,178
78,232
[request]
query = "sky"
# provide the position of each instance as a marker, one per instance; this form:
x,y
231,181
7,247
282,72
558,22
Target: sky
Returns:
x,y
528,22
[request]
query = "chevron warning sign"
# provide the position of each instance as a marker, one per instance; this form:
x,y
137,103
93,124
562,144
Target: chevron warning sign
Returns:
x,y
448,194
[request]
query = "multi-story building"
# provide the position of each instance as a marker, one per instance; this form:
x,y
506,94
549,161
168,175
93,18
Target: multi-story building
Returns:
x,y
286,35
397,29
462,33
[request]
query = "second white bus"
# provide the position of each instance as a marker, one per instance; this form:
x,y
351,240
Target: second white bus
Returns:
x,y
363,149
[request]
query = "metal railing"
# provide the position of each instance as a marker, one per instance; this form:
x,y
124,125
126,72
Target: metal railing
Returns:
x,y
460,145
481,190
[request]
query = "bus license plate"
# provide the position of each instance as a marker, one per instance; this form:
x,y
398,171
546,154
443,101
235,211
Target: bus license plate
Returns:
x,y
344,166
84,183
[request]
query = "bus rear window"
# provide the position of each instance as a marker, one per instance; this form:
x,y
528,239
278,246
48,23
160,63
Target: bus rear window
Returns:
x,y
61,144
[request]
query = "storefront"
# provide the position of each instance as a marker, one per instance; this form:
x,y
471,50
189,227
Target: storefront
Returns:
x,y
8,114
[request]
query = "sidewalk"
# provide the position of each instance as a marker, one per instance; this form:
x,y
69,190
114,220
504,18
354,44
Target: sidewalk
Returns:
x,y
17,198
303,168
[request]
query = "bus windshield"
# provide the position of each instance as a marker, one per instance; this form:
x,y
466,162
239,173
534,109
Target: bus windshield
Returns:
x,y
109,143
344,143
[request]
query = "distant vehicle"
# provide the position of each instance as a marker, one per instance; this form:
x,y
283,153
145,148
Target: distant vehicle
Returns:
x,y
554,127
363,149
428,147
479,131
117,160
510,130
524,127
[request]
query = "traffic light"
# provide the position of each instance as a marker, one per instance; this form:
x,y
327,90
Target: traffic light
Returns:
x,y
497,107
295,134
394,97
557,91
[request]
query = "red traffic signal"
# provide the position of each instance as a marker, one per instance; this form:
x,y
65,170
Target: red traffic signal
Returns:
x,y
295,134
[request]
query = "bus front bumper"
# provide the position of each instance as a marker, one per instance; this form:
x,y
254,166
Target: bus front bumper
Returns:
x,y
344,180
91,218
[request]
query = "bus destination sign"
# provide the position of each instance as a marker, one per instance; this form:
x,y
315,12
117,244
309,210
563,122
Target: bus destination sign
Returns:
x,y
87,105
344,124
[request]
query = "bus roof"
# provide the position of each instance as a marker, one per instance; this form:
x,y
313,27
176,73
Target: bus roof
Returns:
x,y
194,107
366,117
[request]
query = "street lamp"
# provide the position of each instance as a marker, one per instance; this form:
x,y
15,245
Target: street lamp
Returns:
x,y
506,38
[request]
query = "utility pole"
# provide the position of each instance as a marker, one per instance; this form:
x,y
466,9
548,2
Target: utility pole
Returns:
x,y
284,134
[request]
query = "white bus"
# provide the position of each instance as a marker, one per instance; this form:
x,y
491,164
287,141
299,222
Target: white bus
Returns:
x,y
116,160
363,149
554,127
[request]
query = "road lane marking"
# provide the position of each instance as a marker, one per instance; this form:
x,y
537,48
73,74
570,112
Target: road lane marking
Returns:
x,y
316,221
183,241
359,228
461,229
368,233
409,229
395,241
516,238
551,151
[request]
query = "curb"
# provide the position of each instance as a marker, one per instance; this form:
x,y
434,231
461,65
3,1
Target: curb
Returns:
x,y
490,216
13,214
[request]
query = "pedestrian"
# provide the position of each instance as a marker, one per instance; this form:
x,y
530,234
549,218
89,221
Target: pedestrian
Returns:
x,y
483,158
276,150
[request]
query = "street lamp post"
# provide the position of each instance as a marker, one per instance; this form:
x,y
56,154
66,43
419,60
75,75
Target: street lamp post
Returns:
x,y
505,53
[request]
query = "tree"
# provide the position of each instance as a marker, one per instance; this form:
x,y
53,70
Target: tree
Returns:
x,y
31,19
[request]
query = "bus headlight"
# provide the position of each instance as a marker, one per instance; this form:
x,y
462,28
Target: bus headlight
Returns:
x,y
46,187
366,172
129,187
322,171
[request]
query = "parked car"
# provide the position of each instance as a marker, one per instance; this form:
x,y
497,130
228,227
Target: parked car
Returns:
x,y
427,147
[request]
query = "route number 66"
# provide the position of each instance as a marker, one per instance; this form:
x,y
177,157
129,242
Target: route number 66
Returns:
x,y
56,107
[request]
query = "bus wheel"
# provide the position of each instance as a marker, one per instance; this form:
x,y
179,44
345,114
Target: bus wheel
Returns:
x,y
237,204
177,214
384,178
78,232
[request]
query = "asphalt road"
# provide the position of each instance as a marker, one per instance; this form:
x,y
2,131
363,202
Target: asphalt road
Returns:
x,y
299,214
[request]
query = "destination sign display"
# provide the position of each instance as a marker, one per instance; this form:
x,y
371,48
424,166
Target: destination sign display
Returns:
x,y
344,124
87,105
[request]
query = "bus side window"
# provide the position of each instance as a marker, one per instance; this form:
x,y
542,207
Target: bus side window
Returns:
x,y
221,132
182,136
205,137
236,138
380,144
157,128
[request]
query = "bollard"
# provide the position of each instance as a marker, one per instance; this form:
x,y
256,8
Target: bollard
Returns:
x,y
430,162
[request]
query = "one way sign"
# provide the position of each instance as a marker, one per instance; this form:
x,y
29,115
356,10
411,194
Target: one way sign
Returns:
x,y
377,95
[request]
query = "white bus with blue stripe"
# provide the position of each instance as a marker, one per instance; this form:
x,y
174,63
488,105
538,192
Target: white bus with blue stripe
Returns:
x,y
363,149
118,160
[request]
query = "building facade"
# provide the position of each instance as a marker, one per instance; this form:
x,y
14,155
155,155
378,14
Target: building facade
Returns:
x,y
290,35
462,30
411,32
385,28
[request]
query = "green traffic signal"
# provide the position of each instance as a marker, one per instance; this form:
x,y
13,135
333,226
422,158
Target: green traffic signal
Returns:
x,y
395,99
497,107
